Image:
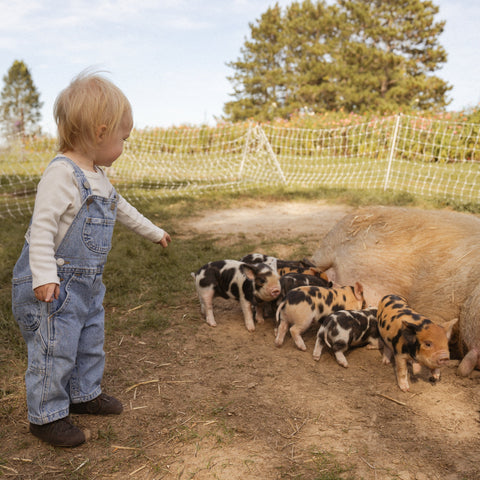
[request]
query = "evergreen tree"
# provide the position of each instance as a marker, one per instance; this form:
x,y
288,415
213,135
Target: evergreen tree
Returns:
x,y
389,51
259,78
310,37
20,102
359,55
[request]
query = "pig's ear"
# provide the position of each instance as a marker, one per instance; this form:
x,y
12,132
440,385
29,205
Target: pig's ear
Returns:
x,y
307,263
409,330
358,289
449,327
248,270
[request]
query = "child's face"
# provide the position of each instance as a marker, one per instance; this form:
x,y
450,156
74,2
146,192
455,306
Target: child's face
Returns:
x,y
110,147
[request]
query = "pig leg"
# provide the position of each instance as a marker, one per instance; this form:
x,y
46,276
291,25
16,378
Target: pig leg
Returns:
x,y
374,344
469,362
469,333
402,373
319,344
387,355
435,374
341,360
246,307
296,332
259,313
281,332
417,368
206,305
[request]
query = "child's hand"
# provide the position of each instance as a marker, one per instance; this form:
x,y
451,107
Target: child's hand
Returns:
x,y
165,240
47,292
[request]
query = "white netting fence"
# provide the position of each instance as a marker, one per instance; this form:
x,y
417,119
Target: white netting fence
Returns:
x,y
421,156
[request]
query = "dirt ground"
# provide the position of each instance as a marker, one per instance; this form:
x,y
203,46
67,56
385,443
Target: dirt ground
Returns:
x,y
223,403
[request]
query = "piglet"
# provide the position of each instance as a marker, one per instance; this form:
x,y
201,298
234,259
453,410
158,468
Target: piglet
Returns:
x,y
304,305
251,285
411,337
284,267
345,329
289,281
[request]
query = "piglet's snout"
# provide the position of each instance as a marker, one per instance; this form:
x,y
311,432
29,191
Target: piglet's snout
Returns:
x,y
275,292
443,357
270,292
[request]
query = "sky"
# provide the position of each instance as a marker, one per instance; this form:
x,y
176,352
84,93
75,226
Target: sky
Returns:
x,y
170,56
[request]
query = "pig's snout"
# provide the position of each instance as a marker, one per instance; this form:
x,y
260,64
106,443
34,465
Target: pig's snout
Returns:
x,y
275,292
443,358
270,293
440,359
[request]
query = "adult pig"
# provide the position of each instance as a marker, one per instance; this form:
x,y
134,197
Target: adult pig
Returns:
x,y
432,258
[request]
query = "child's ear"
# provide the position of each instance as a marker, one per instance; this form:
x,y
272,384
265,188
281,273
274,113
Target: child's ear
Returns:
x,y
101,132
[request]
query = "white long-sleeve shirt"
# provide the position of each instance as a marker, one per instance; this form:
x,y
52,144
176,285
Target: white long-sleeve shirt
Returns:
x,y
57,202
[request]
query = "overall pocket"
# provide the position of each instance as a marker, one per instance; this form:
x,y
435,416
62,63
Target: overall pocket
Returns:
x,y
97,234
27,310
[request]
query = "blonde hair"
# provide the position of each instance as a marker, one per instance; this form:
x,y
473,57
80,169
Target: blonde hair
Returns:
x,y
89,102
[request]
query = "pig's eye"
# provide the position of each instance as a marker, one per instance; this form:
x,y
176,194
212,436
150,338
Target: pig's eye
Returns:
x,y
260,281
428,344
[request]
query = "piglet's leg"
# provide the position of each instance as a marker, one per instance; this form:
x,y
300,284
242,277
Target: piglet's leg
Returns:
x,y
281,332
402,373
374,344
341,360
435,374
417,368
469,362
319,344
296,332
206,304
387,355
246,307
259,313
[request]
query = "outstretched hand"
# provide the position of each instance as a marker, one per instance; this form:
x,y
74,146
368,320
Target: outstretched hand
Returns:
x,y
165,240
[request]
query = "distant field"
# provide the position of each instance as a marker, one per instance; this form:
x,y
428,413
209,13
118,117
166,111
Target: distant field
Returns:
x,y
400,154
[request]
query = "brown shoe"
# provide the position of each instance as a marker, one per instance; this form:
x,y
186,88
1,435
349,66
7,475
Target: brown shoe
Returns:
x,y
102,405
60,433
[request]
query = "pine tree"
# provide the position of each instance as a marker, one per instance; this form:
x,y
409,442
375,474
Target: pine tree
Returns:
x,y
388,54
259,83
310,30
20,102
357,55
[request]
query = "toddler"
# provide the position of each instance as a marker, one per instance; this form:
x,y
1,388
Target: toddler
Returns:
x,y
57,294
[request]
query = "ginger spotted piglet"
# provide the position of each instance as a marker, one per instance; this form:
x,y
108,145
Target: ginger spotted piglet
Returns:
x,y
304,305
411,337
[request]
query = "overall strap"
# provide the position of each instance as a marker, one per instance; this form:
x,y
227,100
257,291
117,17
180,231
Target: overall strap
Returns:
x,y
80,177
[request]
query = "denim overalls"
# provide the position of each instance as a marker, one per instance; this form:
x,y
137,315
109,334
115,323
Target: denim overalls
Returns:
x,y
65,338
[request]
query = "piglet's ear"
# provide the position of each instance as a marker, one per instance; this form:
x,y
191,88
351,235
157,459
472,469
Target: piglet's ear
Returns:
x,y
410,325
358,289
449,327
409,330
248,270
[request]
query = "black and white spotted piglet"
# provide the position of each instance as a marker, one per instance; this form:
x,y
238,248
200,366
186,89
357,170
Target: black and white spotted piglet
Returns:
x,y
251,285
344,329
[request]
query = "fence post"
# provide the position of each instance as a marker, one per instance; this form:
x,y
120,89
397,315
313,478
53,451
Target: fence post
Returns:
x,y
272,154
392,150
